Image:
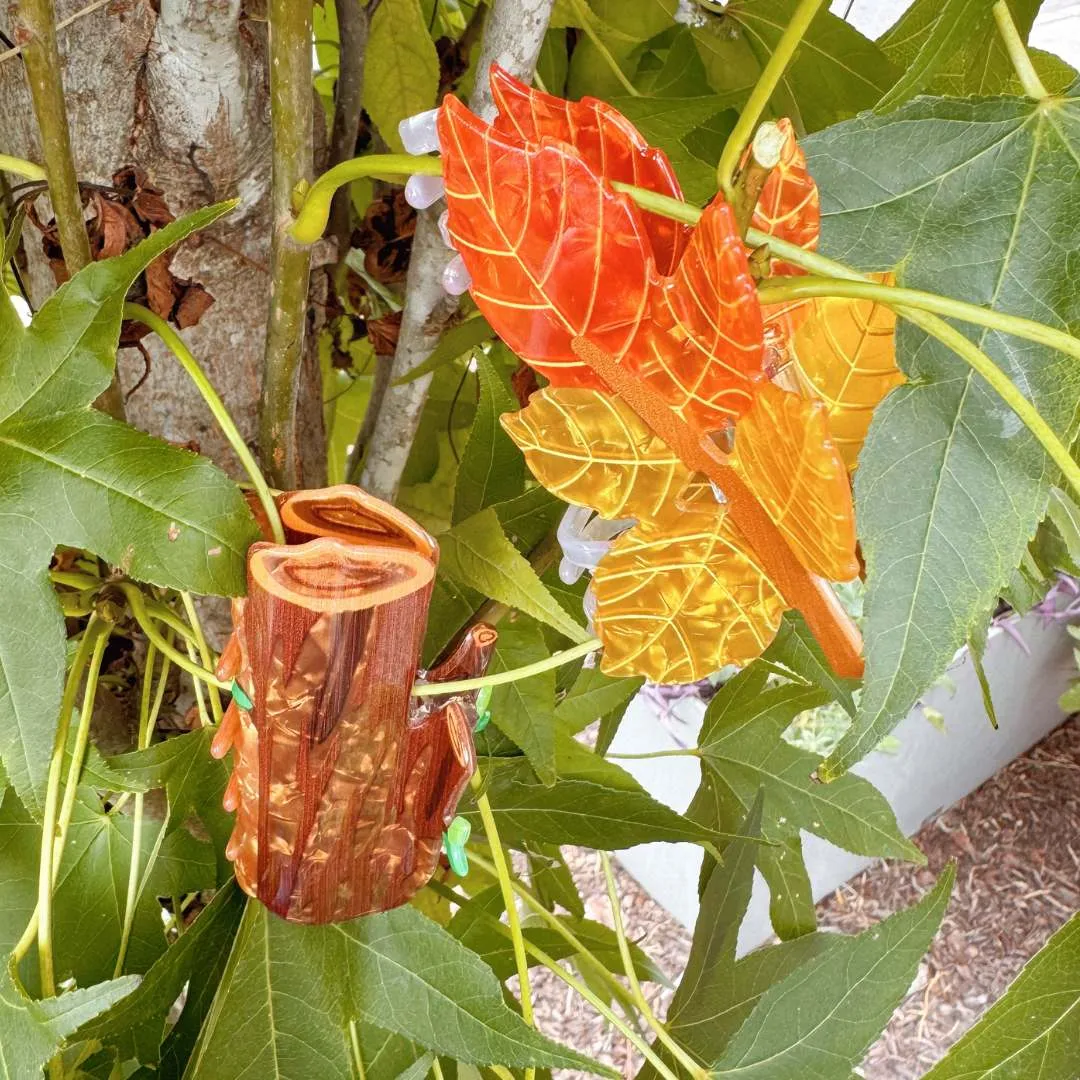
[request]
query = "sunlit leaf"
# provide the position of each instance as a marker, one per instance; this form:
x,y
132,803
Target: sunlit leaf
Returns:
x,y
592,449
680,598
846,351
783,452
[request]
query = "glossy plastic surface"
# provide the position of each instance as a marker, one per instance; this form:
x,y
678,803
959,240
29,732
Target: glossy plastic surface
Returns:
x,y
342,782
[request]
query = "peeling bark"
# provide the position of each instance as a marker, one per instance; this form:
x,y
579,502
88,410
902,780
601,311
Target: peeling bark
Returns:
x,y
513,34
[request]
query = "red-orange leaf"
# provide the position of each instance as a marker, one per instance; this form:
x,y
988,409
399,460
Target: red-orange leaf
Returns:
x,y
785,456
608,143
556,254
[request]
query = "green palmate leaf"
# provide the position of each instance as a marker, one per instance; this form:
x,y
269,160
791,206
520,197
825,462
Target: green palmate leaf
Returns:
x,y
1033,1030
593,696
952,192
477,554
742,751
78,478
818,1021
954,23
835,73
791,896
135,1026
796,648
89,898
522,709
594,803
552,881
32,1031
401,71
289,991
955,48
457,341
492,469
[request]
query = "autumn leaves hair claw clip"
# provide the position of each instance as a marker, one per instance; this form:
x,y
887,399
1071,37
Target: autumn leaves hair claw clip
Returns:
x,y
343,781
659,407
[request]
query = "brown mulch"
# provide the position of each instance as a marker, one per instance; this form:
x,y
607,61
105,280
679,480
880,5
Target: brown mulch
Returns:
x,y
1016,842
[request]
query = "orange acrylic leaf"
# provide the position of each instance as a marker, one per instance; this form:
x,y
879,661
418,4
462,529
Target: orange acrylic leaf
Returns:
x,y
591,449
556,254
789,206
679,598
608,143
784,455
846,351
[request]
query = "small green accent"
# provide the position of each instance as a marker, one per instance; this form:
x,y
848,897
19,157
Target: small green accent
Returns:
x,y
454,840
483,699
241,696
482,721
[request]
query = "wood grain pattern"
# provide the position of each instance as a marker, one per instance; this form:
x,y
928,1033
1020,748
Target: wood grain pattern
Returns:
x,y
343,782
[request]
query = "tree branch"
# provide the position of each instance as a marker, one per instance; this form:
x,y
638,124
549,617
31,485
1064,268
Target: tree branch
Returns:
x,y
513,34
290,263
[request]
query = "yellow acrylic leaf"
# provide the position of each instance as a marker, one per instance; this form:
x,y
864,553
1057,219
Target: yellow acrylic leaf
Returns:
x,y
680,598
592,449
784,454
846,352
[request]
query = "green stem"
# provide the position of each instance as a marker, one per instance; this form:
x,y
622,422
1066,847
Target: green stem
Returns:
x,y
35,28
205,655
1018,54
138,609
916,306
687,752
314,210
461,685
763,90
290,262
506,886
52,800
175,344
357,1056
584,15
21,168
680,1055
148,715
675,209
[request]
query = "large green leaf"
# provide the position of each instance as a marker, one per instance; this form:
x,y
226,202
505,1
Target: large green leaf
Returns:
x,y
974,199
136,1024
289,990
32,1031
401,68
478,555
492,469
522,710
594,803
835,73
818,1021
1033,1030
955,48
742,750
73,476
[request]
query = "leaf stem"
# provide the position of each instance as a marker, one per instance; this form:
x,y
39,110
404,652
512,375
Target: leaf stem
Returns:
x,y
690,751
52,800
21,168
314,211
175,344
680,1055
915,305
1018,54
204,654
506,887
436,689
147,719
290,262
137,604
763,90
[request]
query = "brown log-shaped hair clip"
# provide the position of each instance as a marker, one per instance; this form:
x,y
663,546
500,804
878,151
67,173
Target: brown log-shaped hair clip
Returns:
x,y
343,781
